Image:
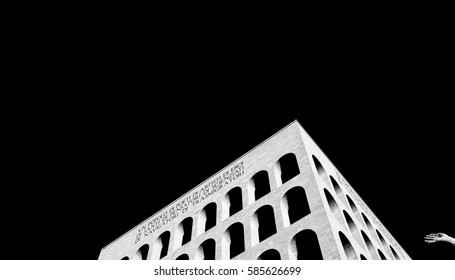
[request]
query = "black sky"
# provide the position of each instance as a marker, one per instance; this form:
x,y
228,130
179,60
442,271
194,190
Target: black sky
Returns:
x,y
105,137
81,177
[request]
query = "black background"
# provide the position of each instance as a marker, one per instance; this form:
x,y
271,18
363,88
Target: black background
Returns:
x,y
102,131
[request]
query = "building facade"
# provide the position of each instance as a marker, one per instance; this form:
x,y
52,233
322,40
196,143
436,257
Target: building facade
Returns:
x,y
282,200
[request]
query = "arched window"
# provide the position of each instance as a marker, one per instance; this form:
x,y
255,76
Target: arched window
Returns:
x,y
233,241
347,246
395,255
381,255
263,224
353,228
383,242
207,218
332,203
354,208
318,165
232,202
294,205
259,185
125,258
369,226
183,257
161,246
210,213
305,246
183,233
164,237
349,221
320,169
207,250
337,189
352,205
370,246
286,168
270,254
142,252
334,207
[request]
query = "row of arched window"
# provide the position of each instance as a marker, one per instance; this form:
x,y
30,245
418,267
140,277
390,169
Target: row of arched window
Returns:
x,y
285,169
344,219
294,205
263,220
374,253
303,246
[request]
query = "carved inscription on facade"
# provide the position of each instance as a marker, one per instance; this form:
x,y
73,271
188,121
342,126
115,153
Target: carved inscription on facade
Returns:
x,y
192,199
367,210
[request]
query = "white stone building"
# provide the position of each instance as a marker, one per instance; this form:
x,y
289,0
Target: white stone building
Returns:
x,y
282,200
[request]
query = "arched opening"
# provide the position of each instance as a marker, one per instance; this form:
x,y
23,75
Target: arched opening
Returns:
x,y
210,213
161,246
369,226
294,205
350,222
369,245
233,241
347,246
183,233
259,185
338,190
362,257
187,226
262,224
334,207
332,203
354,208
270,254
142,253
206,251
381,255
395,255
320,169
125,258
352,205
183,257
353,228
286,168
207,218
232,202
305,246
318,165
165,237
384,243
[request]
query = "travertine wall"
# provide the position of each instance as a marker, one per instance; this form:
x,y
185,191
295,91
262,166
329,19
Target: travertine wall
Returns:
x,y
325,220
